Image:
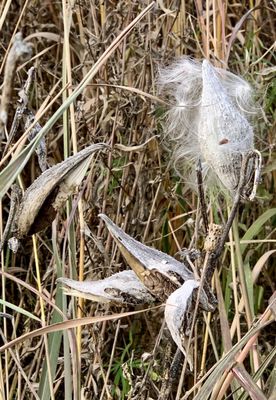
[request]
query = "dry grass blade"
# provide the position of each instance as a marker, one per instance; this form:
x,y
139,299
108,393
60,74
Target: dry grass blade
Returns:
x,y
236,30
73,323
8,175
96,81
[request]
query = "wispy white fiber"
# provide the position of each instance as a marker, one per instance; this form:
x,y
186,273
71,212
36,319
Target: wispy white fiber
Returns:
x,y
209,119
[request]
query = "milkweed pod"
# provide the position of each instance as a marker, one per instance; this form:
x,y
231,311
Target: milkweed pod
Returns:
x,y
123,287
176,311
160,273
142,258
50,190
208,120
224,133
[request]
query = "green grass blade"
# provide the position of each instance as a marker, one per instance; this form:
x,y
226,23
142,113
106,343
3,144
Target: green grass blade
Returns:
x,y
257,226
54,338
19,310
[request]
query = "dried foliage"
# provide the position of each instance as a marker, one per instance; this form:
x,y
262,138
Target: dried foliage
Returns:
x,y
135,184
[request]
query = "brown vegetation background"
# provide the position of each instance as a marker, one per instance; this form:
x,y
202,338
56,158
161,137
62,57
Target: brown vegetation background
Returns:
x,y
138,189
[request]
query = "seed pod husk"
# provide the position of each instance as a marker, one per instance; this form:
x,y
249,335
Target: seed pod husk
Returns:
x,y
50,190
210,121
123,288
160,273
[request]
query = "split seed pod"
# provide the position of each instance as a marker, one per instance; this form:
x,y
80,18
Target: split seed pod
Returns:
x,y
123,287
160,273
50,190
210,119
154,276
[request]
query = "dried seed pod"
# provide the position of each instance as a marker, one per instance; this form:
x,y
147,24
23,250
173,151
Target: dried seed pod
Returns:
x,y
123,288
213,237
176,312
224,133
159,272
50,190
210,119
20,51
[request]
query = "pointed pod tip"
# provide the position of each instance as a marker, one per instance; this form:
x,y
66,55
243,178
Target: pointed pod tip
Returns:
x,y
113,228
207,66
104,218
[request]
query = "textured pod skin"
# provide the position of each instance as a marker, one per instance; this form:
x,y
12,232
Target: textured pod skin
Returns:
x,y
41,200
123,288
160,273
224,133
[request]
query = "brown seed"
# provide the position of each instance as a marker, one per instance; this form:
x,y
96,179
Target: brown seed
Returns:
x,y
224,141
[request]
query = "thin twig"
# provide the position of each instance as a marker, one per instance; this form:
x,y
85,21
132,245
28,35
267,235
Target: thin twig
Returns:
x,y
21,108
16,195
201,195
20,50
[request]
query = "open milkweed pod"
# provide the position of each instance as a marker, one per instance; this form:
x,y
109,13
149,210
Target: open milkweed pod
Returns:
x,y
176,310
123,288
210,119
50,190
160,273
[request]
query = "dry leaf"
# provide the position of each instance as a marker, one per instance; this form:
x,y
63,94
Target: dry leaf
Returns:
x,y
50,190
123,287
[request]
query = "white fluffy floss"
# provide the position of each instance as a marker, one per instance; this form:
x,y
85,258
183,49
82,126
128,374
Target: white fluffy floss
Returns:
x,y
209,119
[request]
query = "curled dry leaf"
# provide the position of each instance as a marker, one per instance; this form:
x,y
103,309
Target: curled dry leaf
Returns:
x,y
123,287
176,311
50,190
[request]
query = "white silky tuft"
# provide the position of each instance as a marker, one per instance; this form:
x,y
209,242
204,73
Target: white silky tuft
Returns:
x,y
209,119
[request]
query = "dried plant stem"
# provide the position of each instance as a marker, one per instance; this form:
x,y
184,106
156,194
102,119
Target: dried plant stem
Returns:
x,y
18,364
244,291
23,102
226,381
205,343
16,195
67,19
202,280
19,50
242,182
248,310
202,200
170,371
235,284
5,388
22,140
105,387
